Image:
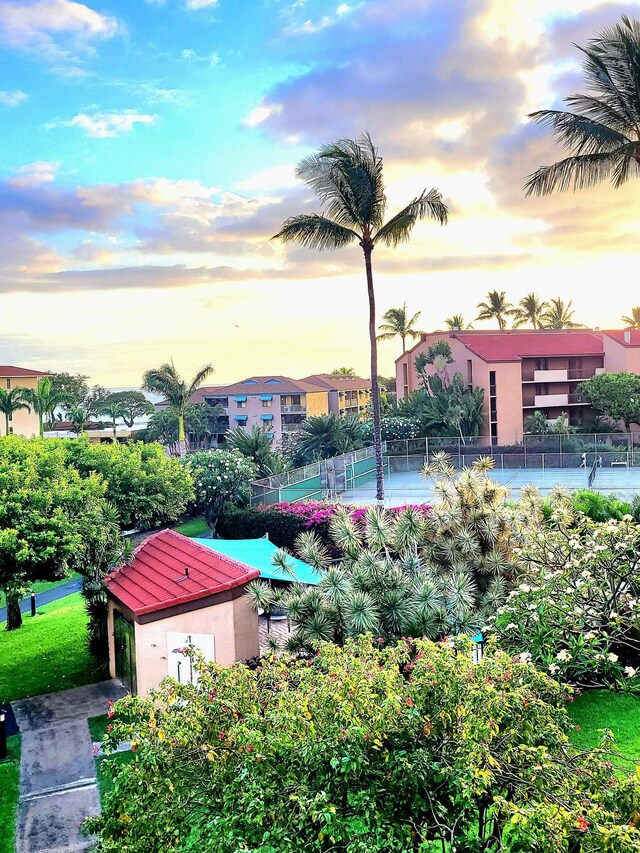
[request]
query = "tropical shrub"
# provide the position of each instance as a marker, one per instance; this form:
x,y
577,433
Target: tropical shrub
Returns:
x,y
393,427
405,749
146,486
219,477
600,507
575,612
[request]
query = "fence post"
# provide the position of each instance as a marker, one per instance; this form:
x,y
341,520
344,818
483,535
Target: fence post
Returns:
x,y
543,463
502,462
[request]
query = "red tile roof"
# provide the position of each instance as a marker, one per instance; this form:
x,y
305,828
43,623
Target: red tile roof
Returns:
x,y
156,578
618,335
513,346
8,371
329,381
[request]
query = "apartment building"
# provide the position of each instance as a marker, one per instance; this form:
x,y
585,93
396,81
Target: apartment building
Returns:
x,y
280,404
523,371
23,422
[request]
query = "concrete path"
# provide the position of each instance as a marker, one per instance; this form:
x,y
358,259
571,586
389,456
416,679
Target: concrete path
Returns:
x,y
58,788
46,597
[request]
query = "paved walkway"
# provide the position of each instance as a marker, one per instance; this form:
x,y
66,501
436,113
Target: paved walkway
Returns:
x,y
58,788
46,597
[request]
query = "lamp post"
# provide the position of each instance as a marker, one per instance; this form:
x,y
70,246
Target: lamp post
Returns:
x,y
3,736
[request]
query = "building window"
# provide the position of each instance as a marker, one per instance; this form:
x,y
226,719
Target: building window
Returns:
x,y
8,384
241,404
494,430
469,373
295,399
266,404
492,383
542,364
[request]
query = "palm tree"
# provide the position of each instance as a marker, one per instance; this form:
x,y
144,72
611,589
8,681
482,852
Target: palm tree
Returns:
x,y
166,381
343,371
114,409
399,325
324,436
457,323
601,129
529,310
495,307
12,401
559,315
79,416
43,400
632,322
347,178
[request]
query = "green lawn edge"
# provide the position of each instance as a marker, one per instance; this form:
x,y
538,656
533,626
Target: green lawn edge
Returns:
x,y
9,794
194,528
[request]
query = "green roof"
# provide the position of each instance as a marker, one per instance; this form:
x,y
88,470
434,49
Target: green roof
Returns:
x,y
258,554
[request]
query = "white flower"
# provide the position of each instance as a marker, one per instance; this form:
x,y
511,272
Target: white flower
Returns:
x,y
630,671
510,626
563,655
553,668
613,615
524,587
525,657
589,635
613,658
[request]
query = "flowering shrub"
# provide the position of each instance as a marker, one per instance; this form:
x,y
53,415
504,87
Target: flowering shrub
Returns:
x,y
403,749
219,476
575,612
316,513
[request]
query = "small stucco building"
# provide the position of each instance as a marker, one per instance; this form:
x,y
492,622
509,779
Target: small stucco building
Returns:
x,y
175,593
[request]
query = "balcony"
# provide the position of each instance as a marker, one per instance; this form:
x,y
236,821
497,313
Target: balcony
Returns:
x,y
550,375
291,427
546,400
293,410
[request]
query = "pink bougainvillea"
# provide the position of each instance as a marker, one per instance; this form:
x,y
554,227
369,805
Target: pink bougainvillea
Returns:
x,y
317,513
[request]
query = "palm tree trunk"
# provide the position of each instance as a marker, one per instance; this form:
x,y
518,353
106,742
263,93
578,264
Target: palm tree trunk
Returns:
x,y
6,423
404,346
367,248
40,425
181,435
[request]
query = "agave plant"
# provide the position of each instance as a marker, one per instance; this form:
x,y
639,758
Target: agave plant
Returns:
x,y
413,574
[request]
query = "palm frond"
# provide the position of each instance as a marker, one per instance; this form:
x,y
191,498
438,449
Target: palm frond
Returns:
x,y
399,227
579,172
580,133
315,232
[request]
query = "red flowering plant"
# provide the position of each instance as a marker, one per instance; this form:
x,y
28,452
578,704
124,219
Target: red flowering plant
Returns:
x,y
402,748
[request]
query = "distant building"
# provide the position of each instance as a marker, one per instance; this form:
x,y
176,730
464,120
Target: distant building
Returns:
x,y
523,371
23,422
280,404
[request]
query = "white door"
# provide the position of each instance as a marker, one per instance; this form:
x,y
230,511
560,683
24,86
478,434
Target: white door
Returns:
x,y
179,666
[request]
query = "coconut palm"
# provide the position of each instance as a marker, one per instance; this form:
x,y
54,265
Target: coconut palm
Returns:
x,y
12,401
399,325
495,307
530,310
256,444
343,371
457,323
632,322
43,400
600,129
559,315
347,178
165,380
114,409
80,416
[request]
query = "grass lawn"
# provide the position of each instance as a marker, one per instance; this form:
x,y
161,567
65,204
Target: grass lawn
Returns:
x,y
9,775
48,653
42,586
194,528
98,727
105,763
601,709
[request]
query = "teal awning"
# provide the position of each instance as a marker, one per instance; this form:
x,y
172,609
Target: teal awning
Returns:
x,y
266,417
258,553
265,397
241,418
240,399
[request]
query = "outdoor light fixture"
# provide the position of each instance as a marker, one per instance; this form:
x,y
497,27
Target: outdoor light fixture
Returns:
x,y
3,736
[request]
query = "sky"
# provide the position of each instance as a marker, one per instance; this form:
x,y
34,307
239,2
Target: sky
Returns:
x,y
148,154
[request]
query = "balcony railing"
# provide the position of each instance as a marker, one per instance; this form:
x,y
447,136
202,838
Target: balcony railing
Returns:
x,y
291,427
294,410
543,400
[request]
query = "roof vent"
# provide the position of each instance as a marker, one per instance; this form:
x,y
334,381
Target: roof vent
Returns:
x,y
627,337
183,577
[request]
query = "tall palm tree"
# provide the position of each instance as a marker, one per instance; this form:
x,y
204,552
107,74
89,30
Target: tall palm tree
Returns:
x,y
343,371
80,416
114,409
399,325
12,401
165,380
495,307
347,178
43,400
457,323
601,129
530,310
559,315
632,322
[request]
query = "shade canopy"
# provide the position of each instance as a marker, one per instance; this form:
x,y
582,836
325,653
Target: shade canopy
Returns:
x,y
258,553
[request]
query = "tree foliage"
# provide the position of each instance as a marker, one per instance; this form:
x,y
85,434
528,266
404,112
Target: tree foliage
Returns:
x,y
219,477
398,324
366,749
616,395
257,445
166,381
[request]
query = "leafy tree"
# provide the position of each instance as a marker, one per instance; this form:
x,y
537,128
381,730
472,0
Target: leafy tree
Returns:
x,y
133,405
496,306
70,389
439,355
559,315
457,323
146,486
531,310
347,178
367,749
43,400
537,424
166,381
343,371
256,445
601,129
220,477
114,410
11,402
80,417
616,395
632,322
49,517
398,324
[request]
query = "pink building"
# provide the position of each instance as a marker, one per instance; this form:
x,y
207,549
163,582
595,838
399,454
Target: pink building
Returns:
x,y
523,371
280,404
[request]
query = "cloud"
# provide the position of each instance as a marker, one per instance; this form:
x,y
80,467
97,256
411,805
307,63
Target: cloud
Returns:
x,y
106,125
34,174
53,27
259,114
201,4
12,99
